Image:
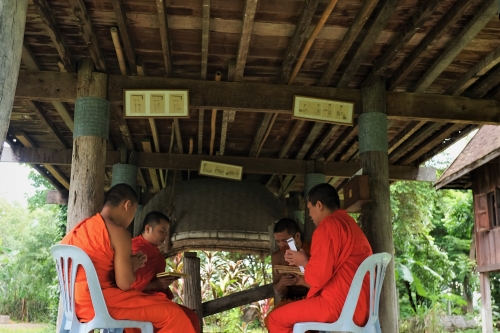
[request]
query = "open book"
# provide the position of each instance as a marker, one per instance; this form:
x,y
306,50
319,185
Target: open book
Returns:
x,y
171,275
294,270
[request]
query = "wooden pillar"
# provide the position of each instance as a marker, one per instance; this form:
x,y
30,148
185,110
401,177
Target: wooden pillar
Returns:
x,y
12,22
311,179
86,191
376,222
486,315
192,284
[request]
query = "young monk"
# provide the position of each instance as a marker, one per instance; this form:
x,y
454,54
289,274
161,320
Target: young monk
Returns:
x,y
154,232
285,284
107,242
338,248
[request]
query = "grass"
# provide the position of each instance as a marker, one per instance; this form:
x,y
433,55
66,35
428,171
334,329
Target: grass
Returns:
x,y
27,328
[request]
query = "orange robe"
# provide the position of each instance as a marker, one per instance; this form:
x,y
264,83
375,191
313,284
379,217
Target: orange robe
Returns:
x,y
154,265
92,236
338,248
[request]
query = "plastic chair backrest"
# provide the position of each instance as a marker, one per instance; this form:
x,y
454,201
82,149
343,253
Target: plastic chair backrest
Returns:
x,y
375,265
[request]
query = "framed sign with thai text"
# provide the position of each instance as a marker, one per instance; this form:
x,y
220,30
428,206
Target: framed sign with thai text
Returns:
x,y
221,170
156,103
325,110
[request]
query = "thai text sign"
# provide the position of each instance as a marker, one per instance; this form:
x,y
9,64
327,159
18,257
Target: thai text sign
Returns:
x,y
325,110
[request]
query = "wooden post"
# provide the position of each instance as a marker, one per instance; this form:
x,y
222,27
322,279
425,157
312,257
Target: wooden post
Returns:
x,y
12,22
273,247
192,284
90,134
373,148
311,179
486,315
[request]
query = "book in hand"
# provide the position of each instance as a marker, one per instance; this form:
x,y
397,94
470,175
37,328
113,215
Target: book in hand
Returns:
x,y
172,275
293,270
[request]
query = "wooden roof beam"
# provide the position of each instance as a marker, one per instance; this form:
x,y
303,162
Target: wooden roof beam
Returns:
x,y
192,163
201,115
484,85
205,38
128,44
299,34
178,136
347,135
165,40
51,86
359,21
404,134
47,123
88,34
332,129
267,122
146,146
476,72
60,177
425,131
55,34
246,34
383,16
398,42
428,43
311,137
458,43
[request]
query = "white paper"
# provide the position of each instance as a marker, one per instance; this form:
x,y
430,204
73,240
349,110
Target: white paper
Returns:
x,y
292,246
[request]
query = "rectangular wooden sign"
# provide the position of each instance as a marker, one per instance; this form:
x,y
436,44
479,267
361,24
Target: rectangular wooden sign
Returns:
x,y
324,110
221,170
156,103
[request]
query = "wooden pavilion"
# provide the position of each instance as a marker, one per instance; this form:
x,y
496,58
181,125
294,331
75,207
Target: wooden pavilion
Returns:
x,y
421,74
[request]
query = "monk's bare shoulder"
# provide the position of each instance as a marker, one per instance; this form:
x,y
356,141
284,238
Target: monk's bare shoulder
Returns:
x,y
278,258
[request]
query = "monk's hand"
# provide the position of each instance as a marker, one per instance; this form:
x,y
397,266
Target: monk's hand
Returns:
x,y
296,258
138,260
165,282
286,281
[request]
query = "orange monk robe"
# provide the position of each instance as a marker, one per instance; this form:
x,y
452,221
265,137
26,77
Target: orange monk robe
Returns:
x,y
338,248
154,265
92,236
292,290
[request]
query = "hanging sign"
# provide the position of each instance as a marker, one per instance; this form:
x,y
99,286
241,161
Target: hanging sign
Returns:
x,y
156,103
221,170
324,110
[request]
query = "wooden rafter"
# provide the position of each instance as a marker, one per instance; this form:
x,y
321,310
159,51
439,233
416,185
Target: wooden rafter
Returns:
x,y
146,146
311,137
55,34
246,33
428,43
478,70
458,43
128,44
223,132
404,134
359,21
296,42
205,39
192,163
259,136
401,39
425,131
347,135
88,34
47,123
201,115
323,141
54,171
372,32
484,84
241,97
122,125
178,136
165,40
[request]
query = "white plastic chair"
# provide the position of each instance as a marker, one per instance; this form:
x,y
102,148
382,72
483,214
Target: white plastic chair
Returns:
x,y
68,258
375,265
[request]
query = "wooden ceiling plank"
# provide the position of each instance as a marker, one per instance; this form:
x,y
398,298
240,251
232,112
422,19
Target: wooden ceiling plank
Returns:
x,y
205,39
372,33
261,131
128,44
192,163
297,39
356,26
311,137
201,115
88,34
431,141
401,39
55,34
146,146
477,71
246,34
47,123
178,136
485,84
165,40
428,42
458,43
404,134
223,133
60,177
122,125
323,141
64,113
425,131
348,133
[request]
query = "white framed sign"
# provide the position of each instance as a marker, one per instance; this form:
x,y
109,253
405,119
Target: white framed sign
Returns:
x,y
156,103
221,170
325,110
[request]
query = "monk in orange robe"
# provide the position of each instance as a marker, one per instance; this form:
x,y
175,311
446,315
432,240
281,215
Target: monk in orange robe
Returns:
x,y
287,285
338,248
154,232
107,242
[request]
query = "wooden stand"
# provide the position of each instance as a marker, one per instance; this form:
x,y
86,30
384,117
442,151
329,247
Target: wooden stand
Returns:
x,y
192,284
377,214
12,21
